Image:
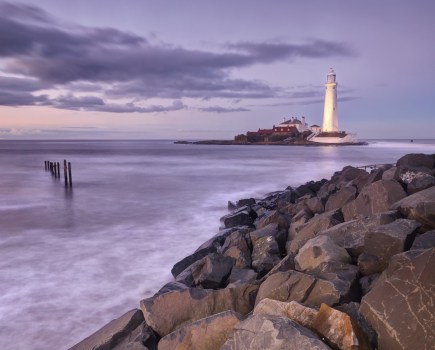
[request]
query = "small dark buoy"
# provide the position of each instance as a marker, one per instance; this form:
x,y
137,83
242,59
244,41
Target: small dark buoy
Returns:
x,y
412,140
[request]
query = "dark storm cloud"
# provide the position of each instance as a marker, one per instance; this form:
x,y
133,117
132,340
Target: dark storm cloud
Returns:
x,y
219,109
118,64
21,99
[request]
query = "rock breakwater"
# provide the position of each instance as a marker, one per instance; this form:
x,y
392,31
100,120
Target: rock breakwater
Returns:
x,y
344,263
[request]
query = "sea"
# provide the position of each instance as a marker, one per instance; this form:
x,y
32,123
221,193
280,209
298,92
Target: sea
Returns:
x,y
74,258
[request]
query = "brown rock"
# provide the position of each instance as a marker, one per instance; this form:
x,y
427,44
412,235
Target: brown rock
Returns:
x,y
293,310
241,276
390,239
369,264
236,247
208,333
318,250
400,306
274,217
340,198
298,222
420,183
120,333
419,206
339,329
169,311
389,174
318,223
265,255
259,332
315,205
375,198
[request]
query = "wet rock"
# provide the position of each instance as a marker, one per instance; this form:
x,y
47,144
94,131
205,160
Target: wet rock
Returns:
x,y
318,223
232,205
400,306
241,276
351,234
124,333
419,206
208,333
304,190
218,240
424,241
420,183
265,254
274,217
318,250
369,264
339,330
388,240
190,259
340,198
259,332
374,198
293,310
246,201
169,311
241,218
209,272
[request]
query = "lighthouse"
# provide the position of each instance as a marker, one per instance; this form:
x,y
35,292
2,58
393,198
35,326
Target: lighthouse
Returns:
x,y
330,116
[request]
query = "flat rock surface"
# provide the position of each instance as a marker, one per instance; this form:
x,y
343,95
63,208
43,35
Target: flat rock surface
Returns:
x,y
400,307
260,332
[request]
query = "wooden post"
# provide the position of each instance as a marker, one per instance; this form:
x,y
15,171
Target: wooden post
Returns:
x,y
65,173
54,169
45,165
58,169
51,167
69,173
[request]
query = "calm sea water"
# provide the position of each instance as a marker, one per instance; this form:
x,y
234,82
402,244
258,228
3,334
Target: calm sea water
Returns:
x,y
72,260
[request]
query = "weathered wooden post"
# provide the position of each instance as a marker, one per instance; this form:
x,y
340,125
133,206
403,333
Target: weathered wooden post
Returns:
x,y
45,165
51,167
58,169
65,173
69,173
54,169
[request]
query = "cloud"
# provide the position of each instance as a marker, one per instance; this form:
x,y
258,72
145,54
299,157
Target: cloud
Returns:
x,y
219,109
118,65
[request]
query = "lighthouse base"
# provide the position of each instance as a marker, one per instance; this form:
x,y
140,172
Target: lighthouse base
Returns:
x,y
335,137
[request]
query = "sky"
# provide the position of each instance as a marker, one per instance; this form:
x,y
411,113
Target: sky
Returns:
x,y
202,69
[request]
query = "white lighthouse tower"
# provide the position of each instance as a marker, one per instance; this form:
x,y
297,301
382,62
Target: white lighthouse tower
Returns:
x,y
330,116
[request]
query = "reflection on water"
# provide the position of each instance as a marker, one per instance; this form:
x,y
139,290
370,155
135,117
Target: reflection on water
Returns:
x,y
73,259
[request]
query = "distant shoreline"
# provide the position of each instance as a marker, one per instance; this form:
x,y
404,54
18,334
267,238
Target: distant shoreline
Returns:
x,y
296,143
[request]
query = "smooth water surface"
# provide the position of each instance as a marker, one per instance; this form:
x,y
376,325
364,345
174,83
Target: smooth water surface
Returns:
x,y
73,259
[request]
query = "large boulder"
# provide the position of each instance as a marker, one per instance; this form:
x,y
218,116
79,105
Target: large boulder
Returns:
x,y
424,241
298,222
419,206
347,174
329,286
374,198
389,174
127,332
271,230
387,240
282,220
241,218
340,198
209,272
318,250
400,306
259,332
208,333
241,276
413,165
315,205
318,223
351,234
168,311
339,330
192,258
293,310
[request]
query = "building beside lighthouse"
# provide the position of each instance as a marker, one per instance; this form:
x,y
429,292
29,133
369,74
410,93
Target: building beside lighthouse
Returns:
x,y
330,133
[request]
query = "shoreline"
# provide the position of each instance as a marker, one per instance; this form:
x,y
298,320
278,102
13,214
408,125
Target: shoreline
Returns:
x,y
341,238
297,143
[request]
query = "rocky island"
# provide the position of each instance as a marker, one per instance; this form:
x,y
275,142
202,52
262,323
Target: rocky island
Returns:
x,y
344,263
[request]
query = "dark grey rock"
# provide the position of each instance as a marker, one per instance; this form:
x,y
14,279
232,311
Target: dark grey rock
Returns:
x,y
390,239
219,238
273,230
419,206
259,332
190,259
369,264
389,174
350,234
265,254
416,160
400,305
424,241
241,276
274,217
246,201
420,183
367,282
241,218
125,332
237,247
